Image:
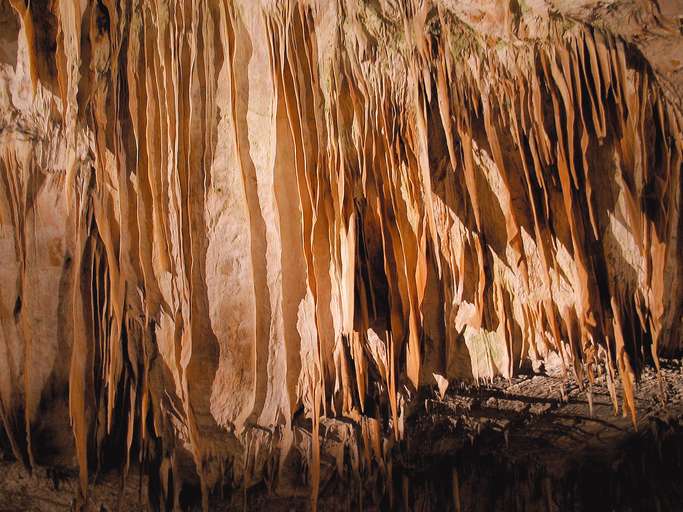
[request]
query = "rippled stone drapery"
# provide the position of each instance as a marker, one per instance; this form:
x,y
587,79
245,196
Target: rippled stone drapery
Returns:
x,y
224,224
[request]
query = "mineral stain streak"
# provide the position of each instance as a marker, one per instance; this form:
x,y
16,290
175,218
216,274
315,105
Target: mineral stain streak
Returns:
x,y
240,239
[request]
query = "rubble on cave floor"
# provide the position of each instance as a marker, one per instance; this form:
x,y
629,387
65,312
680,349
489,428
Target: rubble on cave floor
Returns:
x,y
534,442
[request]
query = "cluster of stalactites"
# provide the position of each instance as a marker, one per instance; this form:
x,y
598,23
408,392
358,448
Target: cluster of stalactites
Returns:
x,y
446,210
572,134
569,127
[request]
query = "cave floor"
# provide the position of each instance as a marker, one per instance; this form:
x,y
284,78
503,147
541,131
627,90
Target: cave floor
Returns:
x,y
532,443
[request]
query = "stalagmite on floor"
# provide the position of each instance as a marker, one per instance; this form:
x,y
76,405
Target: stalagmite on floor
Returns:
x,y
240,237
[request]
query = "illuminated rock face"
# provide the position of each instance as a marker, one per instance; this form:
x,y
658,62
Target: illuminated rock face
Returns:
x,y
225,226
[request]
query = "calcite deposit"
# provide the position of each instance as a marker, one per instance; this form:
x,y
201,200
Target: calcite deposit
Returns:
x,y
239,239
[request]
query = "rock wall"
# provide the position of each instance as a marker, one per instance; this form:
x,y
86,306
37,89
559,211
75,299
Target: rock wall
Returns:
x,y
231,228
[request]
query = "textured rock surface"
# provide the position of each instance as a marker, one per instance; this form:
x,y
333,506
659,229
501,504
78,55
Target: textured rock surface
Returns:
x,y
228,228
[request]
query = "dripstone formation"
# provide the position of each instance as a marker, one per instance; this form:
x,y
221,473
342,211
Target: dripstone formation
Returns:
x,y
247,243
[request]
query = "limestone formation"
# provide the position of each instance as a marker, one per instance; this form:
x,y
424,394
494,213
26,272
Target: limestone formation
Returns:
x,y
239,238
